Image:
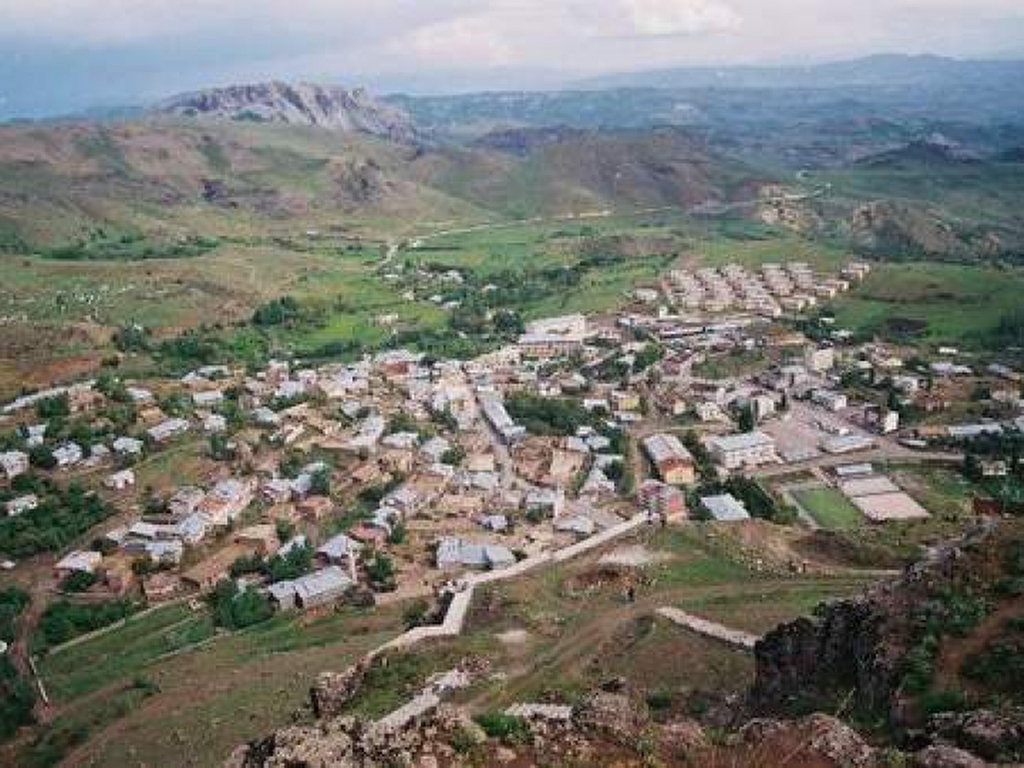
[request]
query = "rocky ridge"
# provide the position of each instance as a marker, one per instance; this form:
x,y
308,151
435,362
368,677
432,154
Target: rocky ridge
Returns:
x,y
329,107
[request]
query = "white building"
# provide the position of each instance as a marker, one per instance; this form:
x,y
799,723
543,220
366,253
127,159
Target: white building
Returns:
x,y
827,398
742,450
13,463
819,359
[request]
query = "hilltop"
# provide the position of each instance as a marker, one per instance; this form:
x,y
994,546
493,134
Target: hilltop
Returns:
x,y
328,107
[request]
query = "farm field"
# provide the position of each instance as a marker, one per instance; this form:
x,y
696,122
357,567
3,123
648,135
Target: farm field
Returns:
x,y
829,508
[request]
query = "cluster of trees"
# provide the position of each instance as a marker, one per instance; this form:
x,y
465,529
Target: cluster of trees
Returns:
x,y
235,608
1009,332
61,517
13,600
298,561
758,502
130,247
283,311
64,620
17,698
16,695
547,416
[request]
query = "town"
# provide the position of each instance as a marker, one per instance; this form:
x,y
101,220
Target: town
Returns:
x,y
386,478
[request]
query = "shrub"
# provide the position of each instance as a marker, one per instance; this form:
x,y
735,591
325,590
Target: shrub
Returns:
x,y
947,700
78,581
660,700
507,728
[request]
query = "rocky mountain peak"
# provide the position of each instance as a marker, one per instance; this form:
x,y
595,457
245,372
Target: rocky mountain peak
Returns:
x,y
329,107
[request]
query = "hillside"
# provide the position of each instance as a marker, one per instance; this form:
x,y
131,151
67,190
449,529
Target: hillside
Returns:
x,y
935,656
328,107
170,178
930,661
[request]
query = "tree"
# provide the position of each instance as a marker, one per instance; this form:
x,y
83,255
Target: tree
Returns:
x,y
42,457
746,420
972,466
235,609
397,535
53,407
381,572
320,484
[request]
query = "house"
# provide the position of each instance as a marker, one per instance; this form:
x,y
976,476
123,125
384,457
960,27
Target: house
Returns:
x,y
673,462
494,411
662,499
226,501
708,411
214,423
120,481
453,552
315,507
68,454
827,398
994,468
261,538
370,535
340,549
370,431
128,446
749,449
725,507
13,463
161,586
185,501
544,500
819,359
21,504
192,529
168,429
575,523
84,561
889,422
312,590
495,523
215,568
435,448
402,441
208,398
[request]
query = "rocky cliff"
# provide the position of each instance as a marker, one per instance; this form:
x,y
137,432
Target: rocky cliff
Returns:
x,y
301,104
935,656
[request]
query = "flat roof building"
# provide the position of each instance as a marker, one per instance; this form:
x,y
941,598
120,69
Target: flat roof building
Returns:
x,y
749,449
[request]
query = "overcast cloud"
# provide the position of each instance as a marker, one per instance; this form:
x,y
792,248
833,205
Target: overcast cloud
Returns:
x,y
59,55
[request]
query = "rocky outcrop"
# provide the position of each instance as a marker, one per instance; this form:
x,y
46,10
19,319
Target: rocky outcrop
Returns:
x,y
991,735
333,690
822,736
301,104
855,650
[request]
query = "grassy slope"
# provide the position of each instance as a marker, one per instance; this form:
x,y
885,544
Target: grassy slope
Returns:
x,y
958,303
203,698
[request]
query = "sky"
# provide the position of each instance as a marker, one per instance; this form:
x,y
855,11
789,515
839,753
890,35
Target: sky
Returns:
x,y
58,56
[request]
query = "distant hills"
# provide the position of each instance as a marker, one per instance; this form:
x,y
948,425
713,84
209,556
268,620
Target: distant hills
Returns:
x,y
880,71
327,107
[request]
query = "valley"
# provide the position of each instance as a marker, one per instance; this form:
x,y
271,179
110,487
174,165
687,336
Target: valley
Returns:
x,y
582,426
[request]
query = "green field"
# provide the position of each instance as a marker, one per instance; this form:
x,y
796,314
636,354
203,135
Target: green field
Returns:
x,y
829,508
944,303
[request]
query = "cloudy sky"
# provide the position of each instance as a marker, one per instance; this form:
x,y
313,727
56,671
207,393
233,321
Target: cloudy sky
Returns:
x,y
62,55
